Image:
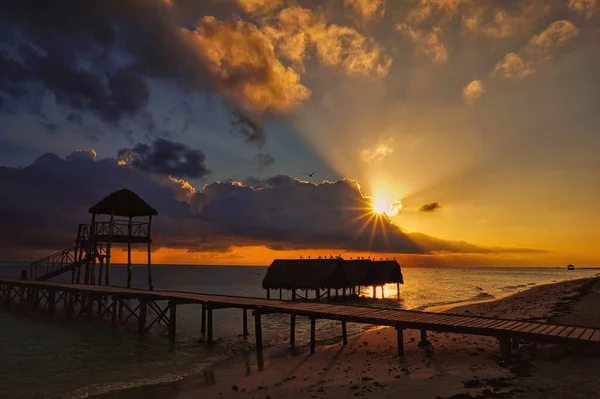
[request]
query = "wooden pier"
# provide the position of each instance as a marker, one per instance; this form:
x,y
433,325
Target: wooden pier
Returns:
x,y
152,307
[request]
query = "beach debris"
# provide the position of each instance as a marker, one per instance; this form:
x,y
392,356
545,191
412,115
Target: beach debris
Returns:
x,y
235,388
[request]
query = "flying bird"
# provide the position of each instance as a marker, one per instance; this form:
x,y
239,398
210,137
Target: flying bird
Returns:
x,y
309,174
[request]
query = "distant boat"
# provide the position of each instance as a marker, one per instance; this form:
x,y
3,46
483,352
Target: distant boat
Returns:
x,y
570,267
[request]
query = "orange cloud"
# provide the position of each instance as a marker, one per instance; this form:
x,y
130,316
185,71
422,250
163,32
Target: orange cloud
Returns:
x,y
296,29
381,150
234,50
367,10
586,7
473,91
428,44
253,6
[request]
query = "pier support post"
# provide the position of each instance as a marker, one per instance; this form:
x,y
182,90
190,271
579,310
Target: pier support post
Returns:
x,y
424,341
318,295
209,327
312,335
203,323
294,294
293,330
344,333
504,348
245,323
374,292
398,289
280,294
51,300
328,294
268,293
258,329
113,311
400,338
142,319
172,319
382,292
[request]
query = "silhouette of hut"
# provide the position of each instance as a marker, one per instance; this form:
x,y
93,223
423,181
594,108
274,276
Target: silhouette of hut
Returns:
x,y
327,274
570,267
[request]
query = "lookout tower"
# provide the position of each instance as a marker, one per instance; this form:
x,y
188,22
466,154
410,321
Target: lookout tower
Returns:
x,y
121,218
114,222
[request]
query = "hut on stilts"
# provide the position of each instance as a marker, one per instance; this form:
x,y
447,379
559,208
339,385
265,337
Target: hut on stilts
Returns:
x,y
120,218
327,277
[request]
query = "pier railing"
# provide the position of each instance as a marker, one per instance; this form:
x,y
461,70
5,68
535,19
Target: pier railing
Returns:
x,y
53,263
122,228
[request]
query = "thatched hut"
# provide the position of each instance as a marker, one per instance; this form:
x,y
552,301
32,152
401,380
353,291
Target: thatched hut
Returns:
x,y
327,274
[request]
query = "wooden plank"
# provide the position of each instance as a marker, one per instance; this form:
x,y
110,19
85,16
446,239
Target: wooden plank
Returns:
x,y
587,334
543,327
595,336
566,332
519,326
531,327
554,331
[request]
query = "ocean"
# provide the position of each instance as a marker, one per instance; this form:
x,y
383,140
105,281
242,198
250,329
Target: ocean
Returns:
x,y
56,358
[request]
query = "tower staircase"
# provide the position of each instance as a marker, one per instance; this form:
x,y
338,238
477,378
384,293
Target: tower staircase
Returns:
x,y
84,253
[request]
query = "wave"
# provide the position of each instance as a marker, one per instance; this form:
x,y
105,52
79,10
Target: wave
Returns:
x,y
515,287
482,296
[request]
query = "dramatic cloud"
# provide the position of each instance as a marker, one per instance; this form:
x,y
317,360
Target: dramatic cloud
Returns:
x,y
263,160
473,91
523,63
253,6
432,206
381,150
539,48
248,126
279,212
367,10
166,157
82,155
427,43
235,51
586,7
295,30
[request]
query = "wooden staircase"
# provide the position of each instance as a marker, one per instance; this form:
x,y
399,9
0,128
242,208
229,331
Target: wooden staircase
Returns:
x,y
67,260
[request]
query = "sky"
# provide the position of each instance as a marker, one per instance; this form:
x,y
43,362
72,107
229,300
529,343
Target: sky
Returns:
x,y
440,132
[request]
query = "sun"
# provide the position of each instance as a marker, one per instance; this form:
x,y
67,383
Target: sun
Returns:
x,y
380,205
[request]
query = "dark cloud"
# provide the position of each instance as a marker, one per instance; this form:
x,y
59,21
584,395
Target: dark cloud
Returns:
x,y
99,56
167,157
248,126
82,155
263,160
51,197
430,207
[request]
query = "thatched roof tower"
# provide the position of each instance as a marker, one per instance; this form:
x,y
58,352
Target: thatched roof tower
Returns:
x,y
123,203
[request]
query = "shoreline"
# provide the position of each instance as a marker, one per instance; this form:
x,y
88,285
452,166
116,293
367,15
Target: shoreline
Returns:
x,y
242,376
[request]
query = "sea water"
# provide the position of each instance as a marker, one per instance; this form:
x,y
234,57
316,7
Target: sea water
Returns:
x,y
41,357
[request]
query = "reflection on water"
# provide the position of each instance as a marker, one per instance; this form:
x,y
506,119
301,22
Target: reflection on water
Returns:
x,y
43,357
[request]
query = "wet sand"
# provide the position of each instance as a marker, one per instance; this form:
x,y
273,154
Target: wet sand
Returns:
x,y
455,365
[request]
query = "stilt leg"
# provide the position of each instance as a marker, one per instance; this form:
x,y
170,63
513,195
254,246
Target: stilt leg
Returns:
x,y
293,330
172,319
258,330
344,333
203,323
245,322
400,338
312,335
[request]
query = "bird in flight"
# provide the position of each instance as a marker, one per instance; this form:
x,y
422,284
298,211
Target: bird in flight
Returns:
x,y
309,174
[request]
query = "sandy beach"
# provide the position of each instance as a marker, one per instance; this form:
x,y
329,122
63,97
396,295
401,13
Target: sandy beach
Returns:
x,y
455,365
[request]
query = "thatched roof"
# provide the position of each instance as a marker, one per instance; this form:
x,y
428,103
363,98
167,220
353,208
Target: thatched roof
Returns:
x,y
123,203
330,273
300,273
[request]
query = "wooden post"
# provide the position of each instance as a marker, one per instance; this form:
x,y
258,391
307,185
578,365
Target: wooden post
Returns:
x,y
129,253
268,293
100,272
382,293
111,230
203,323
312,335
172,319
142,319
51,299
113,318
344,333
91,265
398,289
121,309
358,290
150,285
280,294
258,329
374,292
328,294
424,341
292,329
245,323
318,294
336,292
294,294
344,292
504,348
209,326
306,294
400,338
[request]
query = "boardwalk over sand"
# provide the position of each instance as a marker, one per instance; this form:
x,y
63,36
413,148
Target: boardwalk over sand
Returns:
x,y
46,296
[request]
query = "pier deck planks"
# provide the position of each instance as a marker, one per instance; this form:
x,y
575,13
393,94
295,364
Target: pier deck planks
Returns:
x,y
378,316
